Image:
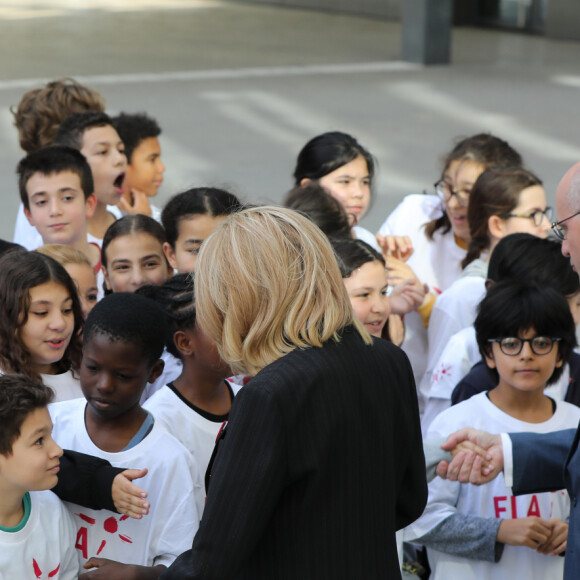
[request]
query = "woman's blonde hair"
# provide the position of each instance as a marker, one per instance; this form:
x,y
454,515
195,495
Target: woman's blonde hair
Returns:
x,y
64,254
267,282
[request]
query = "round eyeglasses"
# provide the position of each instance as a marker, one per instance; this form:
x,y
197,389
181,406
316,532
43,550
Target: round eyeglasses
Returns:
x,y
512,346
445,193
537,216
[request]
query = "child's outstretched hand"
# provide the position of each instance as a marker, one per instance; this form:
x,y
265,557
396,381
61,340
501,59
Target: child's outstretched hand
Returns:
x,y
127,497
139,203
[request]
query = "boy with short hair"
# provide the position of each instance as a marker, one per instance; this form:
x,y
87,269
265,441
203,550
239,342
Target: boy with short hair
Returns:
x,y
144,176
56,189
36,532
525,334
37,117
92,133
123,338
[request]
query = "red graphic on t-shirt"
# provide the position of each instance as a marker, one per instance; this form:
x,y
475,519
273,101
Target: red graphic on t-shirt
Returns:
x,y
110,525
38,571
442,373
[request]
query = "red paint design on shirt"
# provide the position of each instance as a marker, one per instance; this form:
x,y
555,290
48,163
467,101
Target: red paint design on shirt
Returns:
x,y
87,519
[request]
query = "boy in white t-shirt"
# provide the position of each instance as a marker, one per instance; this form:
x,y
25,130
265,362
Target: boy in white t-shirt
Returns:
x,y
36,531
123,339
525,335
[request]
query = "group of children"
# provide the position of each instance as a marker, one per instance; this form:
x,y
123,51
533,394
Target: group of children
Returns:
x,y
97,304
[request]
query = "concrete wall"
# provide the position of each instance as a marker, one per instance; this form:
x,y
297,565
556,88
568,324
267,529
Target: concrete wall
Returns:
x,y
389,9
562,19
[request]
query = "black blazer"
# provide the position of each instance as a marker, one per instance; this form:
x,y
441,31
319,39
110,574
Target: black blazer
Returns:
x,y
321,462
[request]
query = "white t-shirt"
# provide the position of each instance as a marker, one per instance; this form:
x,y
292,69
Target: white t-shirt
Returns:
x,y
366,236
454,310
194,431
492,500
44,546
66,386
173,519
436,262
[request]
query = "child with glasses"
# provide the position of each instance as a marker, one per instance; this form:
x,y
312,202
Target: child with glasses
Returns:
x,y
503,201
525,334
437,228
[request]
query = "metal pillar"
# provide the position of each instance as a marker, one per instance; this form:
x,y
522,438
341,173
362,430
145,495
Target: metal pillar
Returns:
x,y
427,30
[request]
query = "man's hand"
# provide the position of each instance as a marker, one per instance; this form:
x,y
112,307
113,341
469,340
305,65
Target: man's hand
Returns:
x,y
127,497
469,466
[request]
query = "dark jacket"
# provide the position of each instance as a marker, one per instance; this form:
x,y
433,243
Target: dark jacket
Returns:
x,y
320,463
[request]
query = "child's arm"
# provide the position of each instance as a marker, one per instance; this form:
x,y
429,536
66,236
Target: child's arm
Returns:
x,y
111,570
88,481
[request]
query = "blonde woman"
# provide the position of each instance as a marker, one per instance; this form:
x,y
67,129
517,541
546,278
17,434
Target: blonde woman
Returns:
x,y
311,478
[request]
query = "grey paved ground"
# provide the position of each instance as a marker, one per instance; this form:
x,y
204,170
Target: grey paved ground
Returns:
x,y
239,88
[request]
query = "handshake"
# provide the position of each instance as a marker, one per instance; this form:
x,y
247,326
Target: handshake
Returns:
x,y
477,457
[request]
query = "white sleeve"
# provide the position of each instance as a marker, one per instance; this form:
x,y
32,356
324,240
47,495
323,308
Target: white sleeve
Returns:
x,y
508,463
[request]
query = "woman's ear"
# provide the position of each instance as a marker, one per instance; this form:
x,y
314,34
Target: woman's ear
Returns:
x,y
305,181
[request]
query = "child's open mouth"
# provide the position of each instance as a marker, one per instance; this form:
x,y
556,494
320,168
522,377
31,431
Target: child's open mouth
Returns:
x,y
118,183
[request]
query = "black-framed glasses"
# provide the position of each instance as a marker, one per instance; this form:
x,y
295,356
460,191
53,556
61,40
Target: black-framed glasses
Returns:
x,y
558,230
512,345
537,216
445,193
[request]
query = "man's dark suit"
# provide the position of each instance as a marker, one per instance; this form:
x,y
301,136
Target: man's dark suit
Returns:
x,y
321,462
548,462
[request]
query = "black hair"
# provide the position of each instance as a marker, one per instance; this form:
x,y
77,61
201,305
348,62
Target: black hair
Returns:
x,y
533,260
352,254
133,129
325,153
72,129
131,224
129,318
198,200
19,397
177,298
510,308
52,160
320,207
